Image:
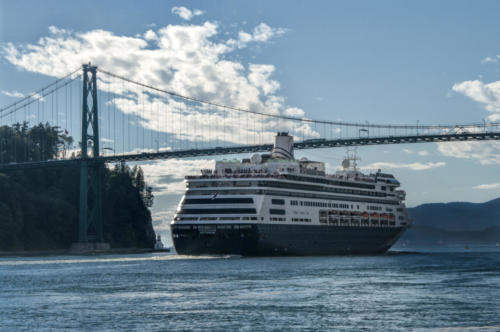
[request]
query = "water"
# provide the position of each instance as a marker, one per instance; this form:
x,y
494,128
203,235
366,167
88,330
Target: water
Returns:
x,y
163,292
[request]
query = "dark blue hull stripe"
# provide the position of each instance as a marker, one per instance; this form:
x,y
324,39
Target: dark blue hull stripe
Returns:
x,y
274,239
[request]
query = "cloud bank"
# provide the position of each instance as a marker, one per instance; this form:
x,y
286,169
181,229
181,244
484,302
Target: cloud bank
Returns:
x,y
487,153
488,186
487,94
410,166
167,176
191,60
13,94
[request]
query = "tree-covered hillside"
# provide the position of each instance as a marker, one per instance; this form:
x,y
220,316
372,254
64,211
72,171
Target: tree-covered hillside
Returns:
x,y
39,207
457,223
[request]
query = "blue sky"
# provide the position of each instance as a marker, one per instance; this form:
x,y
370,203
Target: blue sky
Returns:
x,y
382,62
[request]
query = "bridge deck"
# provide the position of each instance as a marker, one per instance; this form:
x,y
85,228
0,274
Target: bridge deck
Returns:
x,y
311,144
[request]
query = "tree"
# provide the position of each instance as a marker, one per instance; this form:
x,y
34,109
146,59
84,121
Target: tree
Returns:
x,y
39,207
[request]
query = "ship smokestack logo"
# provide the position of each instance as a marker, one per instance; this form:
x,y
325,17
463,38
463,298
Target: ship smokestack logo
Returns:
x,y
283,147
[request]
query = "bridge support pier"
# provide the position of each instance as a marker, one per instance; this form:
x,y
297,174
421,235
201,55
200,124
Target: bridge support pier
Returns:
x,y
90,229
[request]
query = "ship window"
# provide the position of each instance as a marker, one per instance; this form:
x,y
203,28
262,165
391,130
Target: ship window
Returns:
x,y
216,200
217,211
277,211
182,227
229,218
278,201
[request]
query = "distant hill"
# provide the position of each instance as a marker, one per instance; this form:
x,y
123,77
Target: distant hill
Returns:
x,y
457,216
459,223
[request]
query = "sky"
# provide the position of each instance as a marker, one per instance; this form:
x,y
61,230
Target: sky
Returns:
x,y
383,62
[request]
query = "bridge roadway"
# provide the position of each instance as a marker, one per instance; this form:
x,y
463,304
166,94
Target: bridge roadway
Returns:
x,y
307,144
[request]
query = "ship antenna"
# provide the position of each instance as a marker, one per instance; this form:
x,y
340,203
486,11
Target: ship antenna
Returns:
x,y
352,155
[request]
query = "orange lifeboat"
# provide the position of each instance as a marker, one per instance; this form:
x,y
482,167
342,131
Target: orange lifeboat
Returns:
x,y
374,215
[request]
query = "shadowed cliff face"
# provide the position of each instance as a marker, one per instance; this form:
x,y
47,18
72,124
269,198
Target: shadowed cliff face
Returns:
x,y
39,210
39,207
454,223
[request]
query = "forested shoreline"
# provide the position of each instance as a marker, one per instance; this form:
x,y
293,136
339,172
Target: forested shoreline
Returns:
x,y
39,207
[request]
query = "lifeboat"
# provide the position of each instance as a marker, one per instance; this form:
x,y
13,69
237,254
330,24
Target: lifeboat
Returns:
x,y
391,217
364,215
384,216
374,215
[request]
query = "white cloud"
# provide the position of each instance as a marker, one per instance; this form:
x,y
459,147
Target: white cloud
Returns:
x,y
488,186
264,32
490,59
17,94
167,176
411,166
162,219
14,94
150,35
261,33
487,153
186,14
420,153
484,93
192,60
294,112
259,77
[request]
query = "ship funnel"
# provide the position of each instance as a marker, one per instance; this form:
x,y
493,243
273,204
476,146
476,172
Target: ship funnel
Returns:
x,y
283,147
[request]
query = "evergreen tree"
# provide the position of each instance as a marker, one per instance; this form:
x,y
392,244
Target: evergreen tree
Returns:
x,y
39,207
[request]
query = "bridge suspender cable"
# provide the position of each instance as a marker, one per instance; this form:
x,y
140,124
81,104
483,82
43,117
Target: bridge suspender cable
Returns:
x,y
291,118
39,93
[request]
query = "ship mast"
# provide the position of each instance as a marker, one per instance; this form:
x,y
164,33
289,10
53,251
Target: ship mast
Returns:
x,y
351,159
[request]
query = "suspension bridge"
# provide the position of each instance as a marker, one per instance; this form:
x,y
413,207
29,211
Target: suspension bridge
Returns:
x,y
128,120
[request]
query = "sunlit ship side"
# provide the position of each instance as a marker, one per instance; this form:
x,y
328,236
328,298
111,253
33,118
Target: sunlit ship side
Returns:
x,y
272,204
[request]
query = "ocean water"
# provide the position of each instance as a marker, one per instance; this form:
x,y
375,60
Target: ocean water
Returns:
x,y
164,292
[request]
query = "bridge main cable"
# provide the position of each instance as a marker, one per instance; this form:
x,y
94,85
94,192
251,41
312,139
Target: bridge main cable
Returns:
x,y
297,119
37,95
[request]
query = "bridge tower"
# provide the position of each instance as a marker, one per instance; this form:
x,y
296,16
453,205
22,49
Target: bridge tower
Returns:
x,y
90,220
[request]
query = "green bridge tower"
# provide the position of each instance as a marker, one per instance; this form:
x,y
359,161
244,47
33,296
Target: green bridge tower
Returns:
x,y
90,233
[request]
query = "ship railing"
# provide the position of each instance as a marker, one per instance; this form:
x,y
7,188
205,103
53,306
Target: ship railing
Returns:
x,y
265,175
234,176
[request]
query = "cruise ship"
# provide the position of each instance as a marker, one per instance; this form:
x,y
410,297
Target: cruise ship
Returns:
x,y
273,204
